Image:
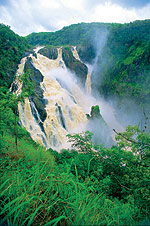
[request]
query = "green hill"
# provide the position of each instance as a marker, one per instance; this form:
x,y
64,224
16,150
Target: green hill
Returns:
x,y
76,34
124,62
87,184
12,48
124,57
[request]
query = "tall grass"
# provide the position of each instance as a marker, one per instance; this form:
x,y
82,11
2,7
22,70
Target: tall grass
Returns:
x,y
42,194
34,190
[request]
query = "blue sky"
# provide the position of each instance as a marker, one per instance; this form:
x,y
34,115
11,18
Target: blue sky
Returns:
x,y
27,16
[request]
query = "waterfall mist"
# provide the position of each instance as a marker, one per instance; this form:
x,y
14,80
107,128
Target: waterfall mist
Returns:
x,y
68,103
125,110
68,81
99,41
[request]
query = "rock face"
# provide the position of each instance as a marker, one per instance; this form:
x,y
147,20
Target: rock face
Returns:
x,y
86,53
96,115
95,112
36,77
49,52
75,65
14,87
99,127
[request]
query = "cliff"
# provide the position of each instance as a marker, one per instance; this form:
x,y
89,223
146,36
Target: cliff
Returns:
x,y
75,65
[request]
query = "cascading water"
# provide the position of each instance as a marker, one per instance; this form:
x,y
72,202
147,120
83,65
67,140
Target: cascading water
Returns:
x,y
67,104
64,114
75,53
28,120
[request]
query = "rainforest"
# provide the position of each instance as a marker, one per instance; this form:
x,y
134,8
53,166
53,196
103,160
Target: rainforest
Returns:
x,y
75,126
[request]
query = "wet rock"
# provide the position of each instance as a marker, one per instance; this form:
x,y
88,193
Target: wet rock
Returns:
x,y
49,52
75,65
27,53
95,112
14,87
35,55
98,126
61,117
86,53
36,78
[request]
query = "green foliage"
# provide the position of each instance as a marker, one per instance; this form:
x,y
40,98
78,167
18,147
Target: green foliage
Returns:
x,y
123,64
82,141
81,35
136,140
124,70
28,87
87,185
12,47
8,106
107,187
76,34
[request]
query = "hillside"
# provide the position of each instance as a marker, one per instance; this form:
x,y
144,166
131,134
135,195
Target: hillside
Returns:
x,y
86,182
76,34
12,48
127,53
122,50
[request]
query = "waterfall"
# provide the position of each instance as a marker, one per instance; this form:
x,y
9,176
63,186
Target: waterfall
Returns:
x,y
75,53
30,123
66,103
64,113
88,83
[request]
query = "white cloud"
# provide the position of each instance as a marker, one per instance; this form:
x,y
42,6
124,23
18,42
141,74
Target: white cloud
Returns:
x,y
26,16
144,12
112,13
53,4
76,4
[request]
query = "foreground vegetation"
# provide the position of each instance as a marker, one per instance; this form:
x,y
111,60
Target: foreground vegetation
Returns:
x,y
86,185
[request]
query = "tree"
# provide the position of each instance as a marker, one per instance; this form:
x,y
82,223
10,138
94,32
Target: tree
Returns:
x,y
137,141
8,112
82,142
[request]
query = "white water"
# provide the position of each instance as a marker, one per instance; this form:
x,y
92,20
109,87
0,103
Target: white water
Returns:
x,y
64,113
25,112
67,103
107,111
31,125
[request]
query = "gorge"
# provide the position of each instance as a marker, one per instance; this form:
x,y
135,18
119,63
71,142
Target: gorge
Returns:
x,y
68,100
74,126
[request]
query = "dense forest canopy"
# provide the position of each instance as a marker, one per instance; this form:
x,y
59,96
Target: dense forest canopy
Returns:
x,y
12,48
76,34
87,184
